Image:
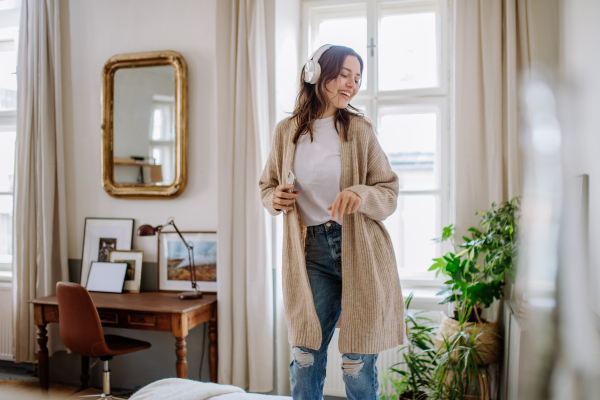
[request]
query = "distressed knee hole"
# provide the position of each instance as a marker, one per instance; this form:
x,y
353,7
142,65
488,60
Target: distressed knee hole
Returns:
x,y
303,358
352,367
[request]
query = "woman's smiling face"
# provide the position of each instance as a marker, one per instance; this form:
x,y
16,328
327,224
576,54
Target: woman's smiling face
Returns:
x,y
341,90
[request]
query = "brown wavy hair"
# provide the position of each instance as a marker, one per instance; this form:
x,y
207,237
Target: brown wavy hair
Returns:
x,y
312,100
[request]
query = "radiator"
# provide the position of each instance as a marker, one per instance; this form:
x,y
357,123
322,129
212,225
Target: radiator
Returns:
x,y
6,322
334,383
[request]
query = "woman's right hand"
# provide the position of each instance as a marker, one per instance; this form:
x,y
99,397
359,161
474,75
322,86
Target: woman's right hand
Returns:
x,y
283,200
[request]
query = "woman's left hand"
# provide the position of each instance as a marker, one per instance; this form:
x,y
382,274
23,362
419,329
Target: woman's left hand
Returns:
x,y
345,202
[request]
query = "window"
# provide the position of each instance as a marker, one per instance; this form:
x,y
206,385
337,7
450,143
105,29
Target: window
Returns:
x,y
9,15
405,91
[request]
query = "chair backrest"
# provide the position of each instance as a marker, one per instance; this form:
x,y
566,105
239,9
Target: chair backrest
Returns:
x,y
78,319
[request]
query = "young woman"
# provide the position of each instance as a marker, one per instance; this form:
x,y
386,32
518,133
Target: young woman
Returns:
x,y
337,255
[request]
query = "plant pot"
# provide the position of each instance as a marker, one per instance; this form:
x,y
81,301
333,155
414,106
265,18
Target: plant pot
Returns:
x,y
483,386
489,340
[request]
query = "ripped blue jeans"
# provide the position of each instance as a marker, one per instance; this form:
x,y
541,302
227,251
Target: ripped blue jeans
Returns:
x,y
308,369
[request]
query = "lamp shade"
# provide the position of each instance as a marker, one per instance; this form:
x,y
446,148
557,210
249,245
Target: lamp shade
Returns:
x,y
146,230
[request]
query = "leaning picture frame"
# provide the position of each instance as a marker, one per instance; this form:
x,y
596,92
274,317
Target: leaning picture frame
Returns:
x,y
101,235
133,275
173,261
106,277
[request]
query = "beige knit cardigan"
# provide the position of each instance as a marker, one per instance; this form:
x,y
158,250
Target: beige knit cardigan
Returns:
x,y
372,318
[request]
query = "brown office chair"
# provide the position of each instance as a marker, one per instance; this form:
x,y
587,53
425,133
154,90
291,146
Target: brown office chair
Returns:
x,y
81,330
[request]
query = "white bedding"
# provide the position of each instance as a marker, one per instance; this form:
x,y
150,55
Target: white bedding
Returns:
x,y
249,396
184,389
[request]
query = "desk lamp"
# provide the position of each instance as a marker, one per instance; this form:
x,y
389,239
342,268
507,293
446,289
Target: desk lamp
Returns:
x,y
148,230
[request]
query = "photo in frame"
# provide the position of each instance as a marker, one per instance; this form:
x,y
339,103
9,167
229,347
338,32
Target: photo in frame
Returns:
x,y
133,275
101,235
173,261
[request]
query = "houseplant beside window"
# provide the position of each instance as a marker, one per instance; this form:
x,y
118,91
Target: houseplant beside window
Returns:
x,y
477,271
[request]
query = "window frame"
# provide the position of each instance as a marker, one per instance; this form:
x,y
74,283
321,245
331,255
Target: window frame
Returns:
x,y
8,123
372,99
8,118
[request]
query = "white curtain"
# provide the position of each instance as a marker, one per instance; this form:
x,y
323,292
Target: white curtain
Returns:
x,y
492,49
245,298
39,225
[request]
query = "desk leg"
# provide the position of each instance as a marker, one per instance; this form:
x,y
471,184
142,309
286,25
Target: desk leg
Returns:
x,y
42,355
85,369
181,352
212,350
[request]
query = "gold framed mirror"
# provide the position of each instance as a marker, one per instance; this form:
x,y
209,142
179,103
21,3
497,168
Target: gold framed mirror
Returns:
x,y
145,125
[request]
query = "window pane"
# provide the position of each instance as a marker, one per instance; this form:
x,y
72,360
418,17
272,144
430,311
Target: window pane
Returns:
x,y
8,79
349,32
162,121
408,51
410,142
6,208
412,228
7,160
157,124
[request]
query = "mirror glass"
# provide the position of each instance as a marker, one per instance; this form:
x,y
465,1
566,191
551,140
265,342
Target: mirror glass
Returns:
x,y
144,125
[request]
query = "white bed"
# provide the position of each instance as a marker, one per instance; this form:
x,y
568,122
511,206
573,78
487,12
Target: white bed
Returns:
x,y
183,389
249,396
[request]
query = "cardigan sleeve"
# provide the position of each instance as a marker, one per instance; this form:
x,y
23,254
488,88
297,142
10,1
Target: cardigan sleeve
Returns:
x,y
380,193
269,179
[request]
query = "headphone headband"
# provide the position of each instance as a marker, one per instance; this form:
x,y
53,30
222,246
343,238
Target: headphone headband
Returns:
x,y
317,54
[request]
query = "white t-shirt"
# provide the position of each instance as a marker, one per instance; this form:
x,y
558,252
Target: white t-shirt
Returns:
x,y
318,170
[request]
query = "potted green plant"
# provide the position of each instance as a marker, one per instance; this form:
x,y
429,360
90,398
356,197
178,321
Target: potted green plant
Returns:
x,y
418,359
477,271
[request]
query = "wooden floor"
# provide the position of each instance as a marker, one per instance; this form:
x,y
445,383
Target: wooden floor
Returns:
x,y
15,389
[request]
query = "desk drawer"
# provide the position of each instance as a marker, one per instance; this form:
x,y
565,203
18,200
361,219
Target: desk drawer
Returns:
x,y
141,319
133,319
109,317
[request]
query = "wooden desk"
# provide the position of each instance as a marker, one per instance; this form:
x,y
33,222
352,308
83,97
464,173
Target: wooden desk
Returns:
x,y
149,311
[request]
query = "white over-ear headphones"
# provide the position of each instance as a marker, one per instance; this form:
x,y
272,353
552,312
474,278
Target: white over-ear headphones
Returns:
x,y
312,69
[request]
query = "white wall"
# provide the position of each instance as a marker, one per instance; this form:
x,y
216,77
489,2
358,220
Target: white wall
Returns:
x,y
94,31
580,79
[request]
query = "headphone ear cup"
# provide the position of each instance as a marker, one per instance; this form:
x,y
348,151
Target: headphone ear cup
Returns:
x,y
308,71
316,73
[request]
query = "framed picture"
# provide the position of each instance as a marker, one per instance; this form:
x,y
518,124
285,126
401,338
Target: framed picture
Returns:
x,y
101,235
106,277
133,276
173,261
